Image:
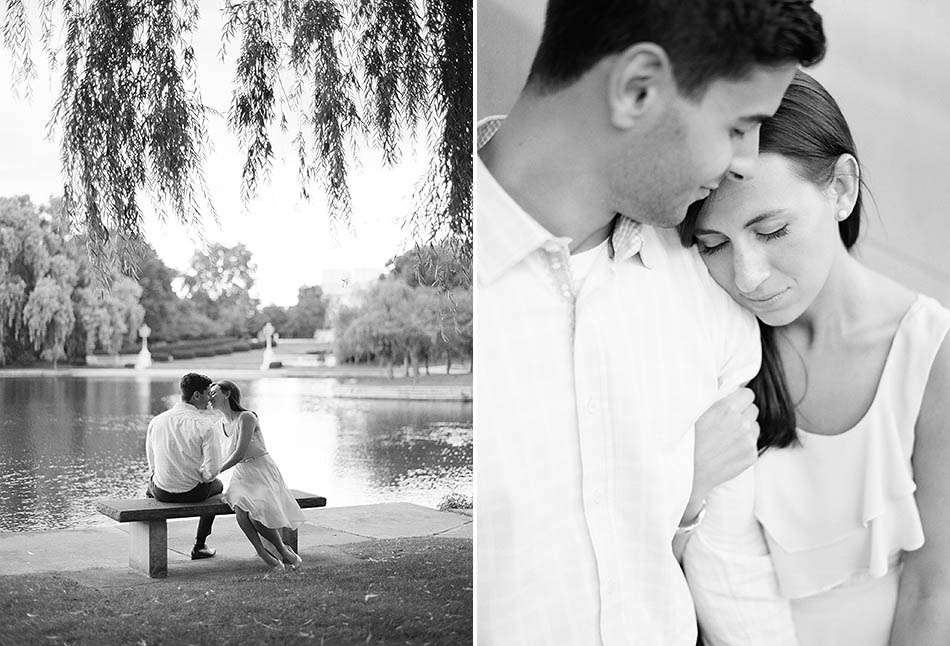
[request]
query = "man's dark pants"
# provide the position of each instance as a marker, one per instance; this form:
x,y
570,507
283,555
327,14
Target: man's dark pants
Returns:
x,y
201,492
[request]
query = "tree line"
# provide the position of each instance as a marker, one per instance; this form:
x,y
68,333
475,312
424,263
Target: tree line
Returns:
x,y
417,314
53,306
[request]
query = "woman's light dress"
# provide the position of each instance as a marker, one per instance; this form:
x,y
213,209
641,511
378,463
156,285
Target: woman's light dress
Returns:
x,y
257,486
808,545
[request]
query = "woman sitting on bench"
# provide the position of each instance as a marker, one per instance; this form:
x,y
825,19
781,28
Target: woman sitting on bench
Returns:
x,y
257,493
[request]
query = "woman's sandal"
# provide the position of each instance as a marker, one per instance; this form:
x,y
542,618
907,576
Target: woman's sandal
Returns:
x,y
297,560
293,565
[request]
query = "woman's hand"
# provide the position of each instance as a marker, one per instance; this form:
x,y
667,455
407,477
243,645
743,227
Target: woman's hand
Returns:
x,y
726,436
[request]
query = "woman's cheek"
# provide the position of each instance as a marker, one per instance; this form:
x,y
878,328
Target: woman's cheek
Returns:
x,y
721,269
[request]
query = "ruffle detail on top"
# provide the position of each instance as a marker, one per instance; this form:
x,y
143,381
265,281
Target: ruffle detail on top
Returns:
x,y
840,508
806,565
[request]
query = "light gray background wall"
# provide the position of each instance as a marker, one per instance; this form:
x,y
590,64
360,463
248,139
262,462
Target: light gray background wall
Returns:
x,y
888,66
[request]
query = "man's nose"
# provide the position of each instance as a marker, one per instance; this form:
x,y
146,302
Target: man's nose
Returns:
x,y
745,155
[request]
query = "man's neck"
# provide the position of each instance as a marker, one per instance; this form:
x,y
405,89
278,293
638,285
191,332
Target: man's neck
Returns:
x,y
542,157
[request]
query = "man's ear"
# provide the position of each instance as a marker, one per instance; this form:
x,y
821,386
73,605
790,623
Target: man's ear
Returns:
x,y
639,81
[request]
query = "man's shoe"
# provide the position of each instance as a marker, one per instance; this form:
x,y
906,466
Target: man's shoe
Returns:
x,y
203,552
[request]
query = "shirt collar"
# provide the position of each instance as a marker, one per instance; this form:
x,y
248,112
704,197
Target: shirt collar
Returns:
x,y
182,405
630,238
506,234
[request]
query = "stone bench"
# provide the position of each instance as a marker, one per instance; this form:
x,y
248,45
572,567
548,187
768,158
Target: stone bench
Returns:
x,y
148,531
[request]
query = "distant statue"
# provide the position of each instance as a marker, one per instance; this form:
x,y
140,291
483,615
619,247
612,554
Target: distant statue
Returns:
x,y
144,360
268,331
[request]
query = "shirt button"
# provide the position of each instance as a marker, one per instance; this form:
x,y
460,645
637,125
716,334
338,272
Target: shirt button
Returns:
x,y
591,406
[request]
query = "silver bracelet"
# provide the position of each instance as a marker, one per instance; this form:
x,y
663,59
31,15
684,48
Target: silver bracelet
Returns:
x,y
689,527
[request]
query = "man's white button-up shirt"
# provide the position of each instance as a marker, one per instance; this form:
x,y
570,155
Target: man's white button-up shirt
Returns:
x,y
584,411
183,448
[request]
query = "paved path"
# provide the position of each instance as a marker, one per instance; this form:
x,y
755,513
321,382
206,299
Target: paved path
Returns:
x,y
101,554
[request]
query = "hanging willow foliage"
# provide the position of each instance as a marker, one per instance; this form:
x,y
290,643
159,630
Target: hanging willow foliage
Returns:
x,y
447,195
132,122
16,39
316,52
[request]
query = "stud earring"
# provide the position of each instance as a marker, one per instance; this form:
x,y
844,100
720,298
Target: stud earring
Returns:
x,y
842,215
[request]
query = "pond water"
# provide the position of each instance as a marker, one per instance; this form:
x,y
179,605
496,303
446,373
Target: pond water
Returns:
x,y
65,441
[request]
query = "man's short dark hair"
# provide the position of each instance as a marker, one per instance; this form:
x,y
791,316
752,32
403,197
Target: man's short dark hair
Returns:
x,y
193,383
705,40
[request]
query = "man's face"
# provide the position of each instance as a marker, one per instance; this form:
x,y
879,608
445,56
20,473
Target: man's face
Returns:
x,y
218,396
694,145
201,398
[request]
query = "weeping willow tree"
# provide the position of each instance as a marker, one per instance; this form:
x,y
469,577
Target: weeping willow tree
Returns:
x,y
132,126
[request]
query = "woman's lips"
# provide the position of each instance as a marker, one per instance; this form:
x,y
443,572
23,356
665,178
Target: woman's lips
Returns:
x,y
768,300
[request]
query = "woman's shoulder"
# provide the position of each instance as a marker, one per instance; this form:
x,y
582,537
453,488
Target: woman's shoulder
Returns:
x,y
925,361
893,304
938,381
247,418
889,297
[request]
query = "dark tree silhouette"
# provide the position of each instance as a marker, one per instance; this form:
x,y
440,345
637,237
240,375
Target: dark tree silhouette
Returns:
x,y
131,123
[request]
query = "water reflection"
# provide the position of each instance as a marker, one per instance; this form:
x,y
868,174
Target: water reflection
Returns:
x,y
66,441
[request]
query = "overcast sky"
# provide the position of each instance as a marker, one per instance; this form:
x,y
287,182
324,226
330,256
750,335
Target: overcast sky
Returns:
x,y
289,237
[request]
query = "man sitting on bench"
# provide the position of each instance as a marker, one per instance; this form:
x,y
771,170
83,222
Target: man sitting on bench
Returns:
x,y
184,454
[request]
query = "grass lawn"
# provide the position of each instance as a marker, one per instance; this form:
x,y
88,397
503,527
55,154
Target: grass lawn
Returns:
x,y
399,591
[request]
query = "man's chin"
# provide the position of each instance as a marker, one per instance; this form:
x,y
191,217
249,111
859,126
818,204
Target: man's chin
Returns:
x,y
669,220
675,216
663,219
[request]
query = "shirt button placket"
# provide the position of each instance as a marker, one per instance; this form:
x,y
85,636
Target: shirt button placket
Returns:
x,y
593,427
557,254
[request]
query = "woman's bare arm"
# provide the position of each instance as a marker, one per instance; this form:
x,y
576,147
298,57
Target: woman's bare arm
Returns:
x,y
923,602
245,431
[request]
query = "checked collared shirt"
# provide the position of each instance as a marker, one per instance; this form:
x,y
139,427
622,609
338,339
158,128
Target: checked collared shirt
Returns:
x,y
584,411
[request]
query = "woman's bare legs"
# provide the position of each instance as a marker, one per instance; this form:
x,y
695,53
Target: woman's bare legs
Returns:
x,y
273,536
249,528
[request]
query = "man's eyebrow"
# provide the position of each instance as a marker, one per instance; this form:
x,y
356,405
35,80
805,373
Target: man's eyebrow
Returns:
x,y
761,216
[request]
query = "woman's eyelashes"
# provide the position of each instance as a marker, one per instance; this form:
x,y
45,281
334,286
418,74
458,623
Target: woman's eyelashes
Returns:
x,y
781,232
711,248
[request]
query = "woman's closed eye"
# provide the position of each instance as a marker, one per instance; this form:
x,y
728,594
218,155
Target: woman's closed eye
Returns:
x,y
777,233
711,246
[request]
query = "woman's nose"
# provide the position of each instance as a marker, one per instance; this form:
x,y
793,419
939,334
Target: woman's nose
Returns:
x,y
751,269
